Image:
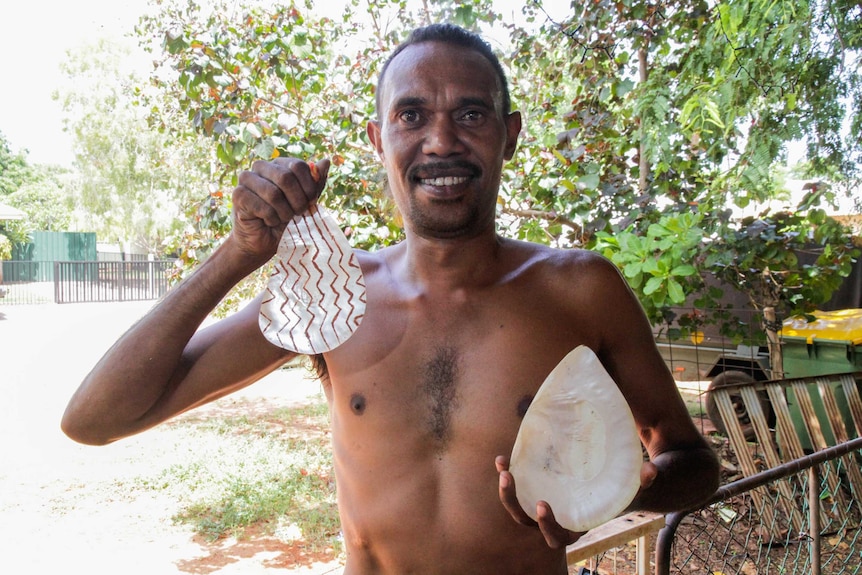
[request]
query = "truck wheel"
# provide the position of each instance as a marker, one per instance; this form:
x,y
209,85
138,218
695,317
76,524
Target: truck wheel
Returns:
x,y
724,379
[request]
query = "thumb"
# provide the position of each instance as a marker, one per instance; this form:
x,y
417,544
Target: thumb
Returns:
x,y
649,472
319,173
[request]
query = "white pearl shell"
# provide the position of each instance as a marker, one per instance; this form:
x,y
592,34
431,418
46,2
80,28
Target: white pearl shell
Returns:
x,y
577,446
315,297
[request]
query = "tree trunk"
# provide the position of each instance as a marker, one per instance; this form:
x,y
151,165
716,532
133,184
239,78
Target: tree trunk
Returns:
x,y
776,359
643,163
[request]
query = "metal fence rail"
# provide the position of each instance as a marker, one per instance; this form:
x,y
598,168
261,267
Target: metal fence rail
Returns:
x,y
91,281
109,281
25,283
730,535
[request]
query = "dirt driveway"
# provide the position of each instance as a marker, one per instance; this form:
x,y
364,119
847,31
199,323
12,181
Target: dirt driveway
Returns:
x,y
62,505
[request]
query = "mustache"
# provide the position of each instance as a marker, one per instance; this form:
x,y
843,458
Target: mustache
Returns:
x,y
444,168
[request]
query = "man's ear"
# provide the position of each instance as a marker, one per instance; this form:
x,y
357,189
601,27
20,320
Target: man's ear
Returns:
x,y
513,130
373,131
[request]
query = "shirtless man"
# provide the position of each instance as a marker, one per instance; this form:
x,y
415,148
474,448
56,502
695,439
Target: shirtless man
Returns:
x,y
461,328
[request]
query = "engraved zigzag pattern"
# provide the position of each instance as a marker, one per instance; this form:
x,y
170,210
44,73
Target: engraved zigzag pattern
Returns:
x,y
315,298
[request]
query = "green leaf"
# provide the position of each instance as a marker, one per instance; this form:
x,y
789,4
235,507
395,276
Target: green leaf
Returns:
x,y
632,269
254,131
683,270
675,291
265,149
657,231
651,266
653,285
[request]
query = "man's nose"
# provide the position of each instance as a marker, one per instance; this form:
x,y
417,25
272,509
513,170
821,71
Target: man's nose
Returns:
x,y
443,138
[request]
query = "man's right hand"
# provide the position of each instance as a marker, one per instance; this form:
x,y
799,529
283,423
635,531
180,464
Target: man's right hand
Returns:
x,y
269,196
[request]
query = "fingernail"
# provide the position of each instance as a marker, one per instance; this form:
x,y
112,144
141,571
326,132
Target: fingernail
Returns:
x,y
315,173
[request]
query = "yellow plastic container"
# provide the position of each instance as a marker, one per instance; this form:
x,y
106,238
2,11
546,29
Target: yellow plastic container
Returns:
x,y
842,325
831,344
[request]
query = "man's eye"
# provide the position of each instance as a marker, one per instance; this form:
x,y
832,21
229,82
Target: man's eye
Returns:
x,y
472,116
409,116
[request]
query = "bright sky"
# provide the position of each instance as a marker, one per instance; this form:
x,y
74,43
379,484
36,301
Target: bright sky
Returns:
x,y
34,39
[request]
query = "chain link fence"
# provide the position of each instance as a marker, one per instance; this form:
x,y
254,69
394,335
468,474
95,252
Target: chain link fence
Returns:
x,y
808,521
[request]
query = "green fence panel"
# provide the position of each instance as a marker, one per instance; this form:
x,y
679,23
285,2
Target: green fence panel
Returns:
x,y
49,247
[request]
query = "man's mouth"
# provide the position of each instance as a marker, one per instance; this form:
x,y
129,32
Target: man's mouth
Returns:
x,y
444,181
445,174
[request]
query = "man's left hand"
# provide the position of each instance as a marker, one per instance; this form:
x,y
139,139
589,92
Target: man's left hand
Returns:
x,y
556,536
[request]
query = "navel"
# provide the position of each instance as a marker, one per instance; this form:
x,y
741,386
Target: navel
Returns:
x,y
357,403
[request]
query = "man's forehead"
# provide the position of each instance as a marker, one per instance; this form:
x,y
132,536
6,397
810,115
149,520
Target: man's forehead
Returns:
x,y
421,65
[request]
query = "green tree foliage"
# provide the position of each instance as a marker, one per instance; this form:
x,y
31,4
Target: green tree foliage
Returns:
x,y
674,116
41,192
131,177
648,125
14,168
47,199
14,171
264,82
5,248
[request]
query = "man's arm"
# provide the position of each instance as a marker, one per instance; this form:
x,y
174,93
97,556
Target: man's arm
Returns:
x,y
682,470
163,365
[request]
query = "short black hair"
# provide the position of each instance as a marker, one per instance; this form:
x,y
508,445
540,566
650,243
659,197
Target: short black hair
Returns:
x,y
454,36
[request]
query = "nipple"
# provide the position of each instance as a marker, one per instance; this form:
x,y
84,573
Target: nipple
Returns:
x,y
357,403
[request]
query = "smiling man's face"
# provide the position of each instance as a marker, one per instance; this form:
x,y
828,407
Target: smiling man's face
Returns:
x,y
443,138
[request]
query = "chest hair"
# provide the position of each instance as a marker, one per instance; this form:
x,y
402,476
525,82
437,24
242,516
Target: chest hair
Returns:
x,y
439,383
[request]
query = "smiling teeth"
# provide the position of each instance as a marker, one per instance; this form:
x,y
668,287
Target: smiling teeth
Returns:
x,y
447,181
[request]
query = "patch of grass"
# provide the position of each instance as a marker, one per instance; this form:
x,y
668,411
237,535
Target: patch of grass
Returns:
x,y
302,498
695,404
262,468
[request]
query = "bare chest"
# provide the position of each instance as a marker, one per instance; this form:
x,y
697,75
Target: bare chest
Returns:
x,y
459,373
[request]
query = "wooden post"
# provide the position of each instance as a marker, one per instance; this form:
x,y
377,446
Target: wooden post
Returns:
x,y
771,325
814,518
643,555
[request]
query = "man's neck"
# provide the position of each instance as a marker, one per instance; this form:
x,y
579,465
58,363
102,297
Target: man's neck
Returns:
x,y
451,264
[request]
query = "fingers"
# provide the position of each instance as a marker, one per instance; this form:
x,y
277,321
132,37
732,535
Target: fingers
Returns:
x,y
508,496
502,463
277,191
648,475
556,536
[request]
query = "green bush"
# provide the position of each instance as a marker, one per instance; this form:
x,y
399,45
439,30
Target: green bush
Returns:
x,y
5,248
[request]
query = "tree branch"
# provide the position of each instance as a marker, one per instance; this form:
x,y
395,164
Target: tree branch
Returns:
x,y
549,216
643,160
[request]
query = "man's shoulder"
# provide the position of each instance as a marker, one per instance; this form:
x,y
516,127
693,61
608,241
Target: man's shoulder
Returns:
x,y
578,276
560,259
371,259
